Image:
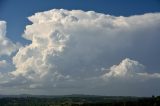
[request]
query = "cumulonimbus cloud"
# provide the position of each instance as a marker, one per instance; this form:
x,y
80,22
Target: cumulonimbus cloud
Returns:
x,y
69,48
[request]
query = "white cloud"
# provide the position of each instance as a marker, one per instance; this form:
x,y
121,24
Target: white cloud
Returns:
x,y
3,66
128,70
7,47
3,63
69,48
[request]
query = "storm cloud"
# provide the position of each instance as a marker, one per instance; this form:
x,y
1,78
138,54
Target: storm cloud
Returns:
x,y
86,52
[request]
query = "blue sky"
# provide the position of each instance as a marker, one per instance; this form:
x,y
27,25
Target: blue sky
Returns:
x,y
71,50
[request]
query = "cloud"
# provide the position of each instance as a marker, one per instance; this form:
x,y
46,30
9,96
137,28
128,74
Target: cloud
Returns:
x,y
68,49
5,66
129,70
2,63
7,47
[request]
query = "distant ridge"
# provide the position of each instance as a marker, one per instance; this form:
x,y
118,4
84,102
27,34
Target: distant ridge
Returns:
x,y
59,96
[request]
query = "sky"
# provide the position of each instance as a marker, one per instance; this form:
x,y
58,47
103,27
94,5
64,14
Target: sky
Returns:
x,y
59,47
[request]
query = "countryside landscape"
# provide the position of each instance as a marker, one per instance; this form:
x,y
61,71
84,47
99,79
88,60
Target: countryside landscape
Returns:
x,y
79,52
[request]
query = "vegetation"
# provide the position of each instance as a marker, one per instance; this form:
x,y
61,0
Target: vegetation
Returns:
x,y
79,101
